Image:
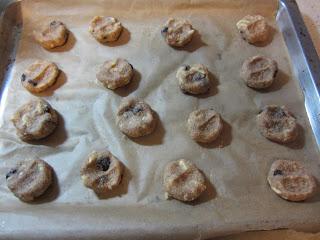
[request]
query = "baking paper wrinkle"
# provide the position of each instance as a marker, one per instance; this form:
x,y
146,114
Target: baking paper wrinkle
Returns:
x,y
237,171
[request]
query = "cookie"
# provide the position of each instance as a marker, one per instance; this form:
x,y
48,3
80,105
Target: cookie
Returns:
x,y
254,29
105,29
182,180
277,124
291,181
52,35
101,172
204,125
135,118
35,120
259,72
39,76
193,79
177,32
29,179
115,73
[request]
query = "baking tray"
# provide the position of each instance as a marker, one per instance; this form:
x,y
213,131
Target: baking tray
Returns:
x,y
305,64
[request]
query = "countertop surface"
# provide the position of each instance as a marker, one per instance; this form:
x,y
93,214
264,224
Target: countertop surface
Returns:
x,y
310,10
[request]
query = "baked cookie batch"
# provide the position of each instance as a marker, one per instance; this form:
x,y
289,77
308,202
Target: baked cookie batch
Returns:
x,y
182,180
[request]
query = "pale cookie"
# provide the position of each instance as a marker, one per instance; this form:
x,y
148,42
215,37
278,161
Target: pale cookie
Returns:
x,y
101,172
204,125
277,124
115,73
29,179
52,35
39,76
135,118
291,181
259,72
105,29
193,79
254,29
35,120
182,180
177,32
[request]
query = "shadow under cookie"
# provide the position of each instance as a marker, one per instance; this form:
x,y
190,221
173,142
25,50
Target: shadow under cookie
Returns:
x,y
195,43
223,140
123,39
51,193
119,190
56,138
61,80
131,87
154,138
69,44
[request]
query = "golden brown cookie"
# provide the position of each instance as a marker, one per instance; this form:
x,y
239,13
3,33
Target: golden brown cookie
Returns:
x,y
254,29
193,79
115,73
135,118
182,180
29,179
204,125
101,172
177,32
52,35
39,76
277,124
259,72
35,120
291,181
105,29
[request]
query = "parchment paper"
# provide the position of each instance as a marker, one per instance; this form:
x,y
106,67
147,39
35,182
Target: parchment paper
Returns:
x,y
238,196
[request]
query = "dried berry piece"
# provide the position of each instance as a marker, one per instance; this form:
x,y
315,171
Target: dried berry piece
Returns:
x,y
277,172
11,172
101,172
23,77
103,163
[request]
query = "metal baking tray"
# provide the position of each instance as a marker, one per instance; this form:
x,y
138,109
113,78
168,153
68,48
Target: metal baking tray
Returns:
x,y
305,61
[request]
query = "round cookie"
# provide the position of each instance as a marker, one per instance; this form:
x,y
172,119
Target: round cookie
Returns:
x,y
29,179
254,29
204,125
39,76
177,32
291,181
193,79
115,73
135,118
105,29
277,124
182,180
35,120
52,35
101,172
259,72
